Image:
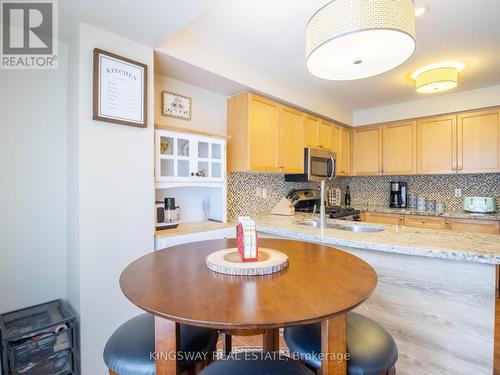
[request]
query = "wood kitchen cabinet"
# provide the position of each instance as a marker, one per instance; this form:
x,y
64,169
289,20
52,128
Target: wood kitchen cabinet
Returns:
x,y
344,157
311,131
383,218
418,221
325,135
367,151
265,136
478,142
399,148
478,226
433,222
335,140
291,141
437,145
263,120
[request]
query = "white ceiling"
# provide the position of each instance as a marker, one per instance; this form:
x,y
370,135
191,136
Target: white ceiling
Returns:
x,y
271,35
174,68
146,21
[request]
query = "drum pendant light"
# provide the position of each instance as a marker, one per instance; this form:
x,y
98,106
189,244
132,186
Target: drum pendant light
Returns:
x,y
353,39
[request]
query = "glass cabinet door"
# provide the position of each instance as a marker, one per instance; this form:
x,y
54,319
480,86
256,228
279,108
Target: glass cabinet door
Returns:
x,y
173,156
210,159
216,163
185,157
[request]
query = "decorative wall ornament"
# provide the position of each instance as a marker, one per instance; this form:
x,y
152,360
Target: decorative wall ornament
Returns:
x,y
120,90
175,105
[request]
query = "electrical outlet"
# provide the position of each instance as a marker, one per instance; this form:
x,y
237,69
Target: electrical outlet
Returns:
x,y
458,192
264,193
258,191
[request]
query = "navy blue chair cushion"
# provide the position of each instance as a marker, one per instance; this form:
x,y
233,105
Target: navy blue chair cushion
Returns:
x,y
372,349
128,350
256,363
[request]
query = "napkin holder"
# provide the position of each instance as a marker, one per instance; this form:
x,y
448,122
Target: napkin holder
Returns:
x,y
241,246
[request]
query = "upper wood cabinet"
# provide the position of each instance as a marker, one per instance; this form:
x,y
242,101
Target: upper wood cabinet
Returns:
x,y
311,131
263,120
265,136
335,140
437,145
344,156
478,138
325,135
291,141
399,148
367,151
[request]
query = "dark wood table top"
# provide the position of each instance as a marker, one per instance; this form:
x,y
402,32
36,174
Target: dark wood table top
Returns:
x,y
320,282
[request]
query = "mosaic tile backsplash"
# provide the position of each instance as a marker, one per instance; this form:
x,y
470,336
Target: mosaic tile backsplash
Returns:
x,y
371,191
241,199
374,190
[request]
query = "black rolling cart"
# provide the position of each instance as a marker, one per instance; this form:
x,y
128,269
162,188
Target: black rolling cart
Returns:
x,y
39,340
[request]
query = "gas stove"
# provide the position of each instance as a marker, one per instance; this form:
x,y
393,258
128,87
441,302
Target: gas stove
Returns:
x,y
308,201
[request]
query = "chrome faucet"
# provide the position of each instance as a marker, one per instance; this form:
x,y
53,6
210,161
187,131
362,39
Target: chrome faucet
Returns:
x,y
322,208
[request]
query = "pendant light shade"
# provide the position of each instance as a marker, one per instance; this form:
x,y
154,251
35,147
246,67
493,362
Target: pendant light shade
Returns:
x,y
352,39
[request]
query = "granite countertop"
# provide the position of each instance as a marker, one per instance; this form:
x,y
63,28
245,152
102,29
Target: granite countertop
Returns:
x,y
410,211
444,244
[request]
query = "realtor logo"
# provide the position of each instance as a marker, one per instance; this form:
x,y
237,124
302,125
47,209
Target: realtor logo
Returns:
x,y
29,34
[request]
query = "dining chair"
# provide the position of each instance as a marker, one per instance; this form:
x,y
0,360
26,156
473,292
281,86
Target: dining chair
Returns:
x,y
129,349
372,350
256,363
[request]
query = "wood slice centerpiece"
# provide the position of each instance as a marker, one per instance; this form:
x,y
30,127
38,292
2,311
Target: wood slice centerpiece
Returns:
x,y
228,261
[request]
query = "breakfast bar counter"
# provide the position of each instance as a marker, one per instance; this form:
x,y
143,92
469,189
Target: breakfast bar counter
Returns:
x,y
434,243
436,290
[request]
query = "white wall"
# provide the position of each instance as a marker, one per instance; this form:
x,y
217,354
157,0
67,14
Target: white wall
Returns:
x,y
435,105
209,109
33,185
113,196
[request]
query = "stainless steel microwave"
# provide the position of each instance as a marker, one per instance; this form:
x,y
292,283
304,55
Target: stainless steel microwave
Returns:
x,y
319,164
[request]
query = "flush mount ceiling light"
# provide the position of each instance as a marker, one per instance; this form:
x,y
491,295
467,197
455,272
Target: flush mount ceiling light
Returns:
x,y
437,77
352,39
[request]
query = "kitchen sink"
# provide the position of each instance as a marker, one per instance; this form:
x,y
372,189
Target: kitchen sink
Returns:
x,y
309,223
347,227
360,228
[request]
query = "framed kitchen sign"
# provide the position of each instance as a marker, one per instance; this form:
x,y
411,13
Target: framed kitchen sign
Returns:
x,y
175,105
120,90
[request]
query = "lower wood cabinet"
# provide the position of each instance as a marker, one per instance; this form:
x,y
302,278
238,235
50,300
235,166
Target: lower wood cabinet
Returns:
x,y
478,226
418,221
382,218
433,222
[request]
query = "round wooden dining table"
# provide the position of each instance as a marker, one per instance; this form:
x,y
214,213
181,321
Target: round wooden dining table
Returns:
x,y
320,284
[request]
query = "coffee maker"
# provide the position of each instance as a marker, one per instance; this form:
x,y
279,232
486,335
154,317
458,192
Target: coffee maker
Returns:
x,y
398,195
